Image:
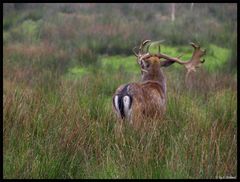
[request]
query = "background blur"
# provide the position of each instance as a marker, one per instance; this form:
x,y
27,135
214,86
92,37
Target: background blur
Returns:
x,y
79,30
63,62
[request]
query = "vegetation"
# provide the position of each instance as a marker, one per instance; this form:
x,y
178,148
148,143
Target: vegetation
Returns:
x,y
61,65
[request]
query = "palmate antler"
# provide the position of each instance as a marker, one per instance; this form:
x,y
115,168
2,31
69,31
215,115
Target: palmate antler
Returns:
x,y
193,63
190,65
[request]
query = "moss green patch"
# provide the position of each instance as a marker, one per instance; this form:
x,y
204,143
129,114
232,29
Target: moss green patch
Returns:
x,y
127,63
76,72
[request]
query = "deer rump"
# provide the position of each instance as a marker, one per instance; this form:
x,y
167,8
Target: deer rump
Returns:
x,y
145,99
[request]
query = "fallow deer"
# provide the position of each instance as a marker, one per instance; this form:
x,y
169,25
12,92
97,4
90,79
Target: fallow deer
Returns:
x,y
138,100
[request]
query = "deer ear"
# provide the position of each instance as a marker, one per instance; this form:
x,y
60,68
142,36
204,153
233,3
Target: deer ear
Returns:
x,y
167,63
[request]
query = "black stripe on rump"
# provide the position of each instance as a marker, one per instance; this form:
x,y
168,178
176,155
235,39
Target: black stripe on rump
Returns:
x,y
120,100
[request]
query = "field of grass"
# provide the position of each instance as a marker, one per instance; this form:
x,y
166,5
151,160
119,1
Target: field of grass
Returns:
x,y
57,97
65,128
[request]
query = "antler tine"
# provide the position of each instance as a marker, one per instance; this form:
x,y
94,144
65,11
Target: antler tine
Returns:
x,y
148,46
142,45
194,45
159,44
134,51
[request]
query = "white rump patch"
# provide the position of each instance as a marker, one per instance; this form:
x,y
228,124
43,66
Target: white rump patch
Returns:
x,y
116,103
126,103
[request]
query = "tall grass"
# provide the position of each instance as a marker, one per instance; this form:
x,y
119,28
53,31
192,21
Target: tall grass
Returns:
x,y
67,130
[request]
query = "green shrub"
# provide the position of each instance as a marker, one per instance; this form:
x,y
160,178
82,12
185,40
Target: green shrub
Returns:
x,y
28,31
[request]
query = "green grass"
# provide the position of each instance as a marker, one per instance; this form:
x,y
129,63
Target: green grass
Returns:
x,y
128,63
69,131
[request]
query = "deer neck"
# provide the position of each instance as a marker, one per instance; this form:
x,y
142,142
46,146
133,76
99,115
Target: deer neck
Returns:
x,y
155,76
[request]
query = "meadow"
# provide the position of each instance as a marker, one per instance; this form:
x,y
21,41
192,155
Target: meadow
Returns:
x,y
61,67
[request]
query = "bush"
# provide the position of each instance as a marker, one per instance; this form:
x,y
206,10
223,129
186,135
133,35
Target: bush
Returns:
x,y
28,31
35,15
